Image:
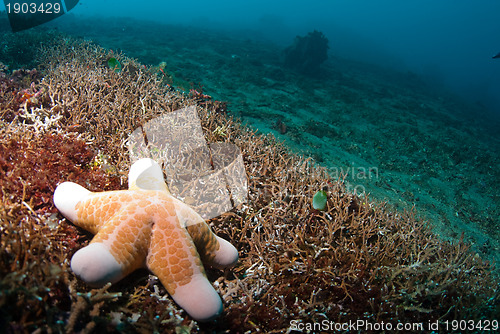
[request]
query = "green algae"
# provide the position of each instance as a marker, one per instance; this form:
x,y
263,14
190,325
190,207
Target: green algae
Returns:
x,y
114,65
319,200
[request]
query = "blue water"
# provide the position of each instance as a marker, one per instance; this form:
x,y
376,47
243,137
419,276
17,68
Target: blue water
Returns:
x,y
448,42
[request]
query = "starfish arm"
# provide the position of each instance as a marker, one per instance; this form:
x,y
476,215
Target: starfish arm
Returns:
x,y
174,259
213,250
146,174
86,209
119,248
96,266
66,196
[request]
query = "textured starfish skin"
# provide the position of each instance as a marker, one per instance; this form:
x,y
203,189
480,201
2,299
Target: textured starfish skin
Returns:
x,y
146,226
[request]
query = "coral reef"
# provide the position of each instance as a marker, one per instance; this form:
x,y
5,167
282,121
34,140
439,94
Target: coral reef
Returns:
x,y
307,53
357,260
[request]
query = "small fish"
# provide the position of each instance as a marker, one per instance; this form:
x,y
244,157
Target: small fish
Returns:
x,y
497,56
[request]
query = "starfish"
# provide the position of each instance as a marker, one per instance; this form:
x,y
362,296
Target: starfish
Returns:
x,y
145,226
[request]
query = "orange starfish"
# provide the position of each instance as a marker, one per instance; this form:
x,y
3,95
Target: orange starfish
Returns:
x,y
146,226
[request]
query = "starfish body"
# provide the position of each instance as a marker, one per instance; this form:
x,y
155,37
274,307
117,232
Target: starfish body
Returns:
x,y
146,226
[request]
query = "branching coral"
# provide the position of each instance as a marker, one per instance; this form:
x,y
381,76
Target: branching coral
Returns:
x,y
32,269
357,260
94,99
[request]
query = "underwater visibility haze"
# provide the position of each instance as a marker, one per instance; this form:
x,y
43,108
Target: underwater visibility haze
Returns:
x,y
448,41
243,166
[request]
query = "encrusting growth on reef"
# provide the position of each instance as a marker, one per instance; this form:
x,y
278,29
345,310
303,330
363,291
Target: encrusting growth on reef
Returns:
x,y
354,260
